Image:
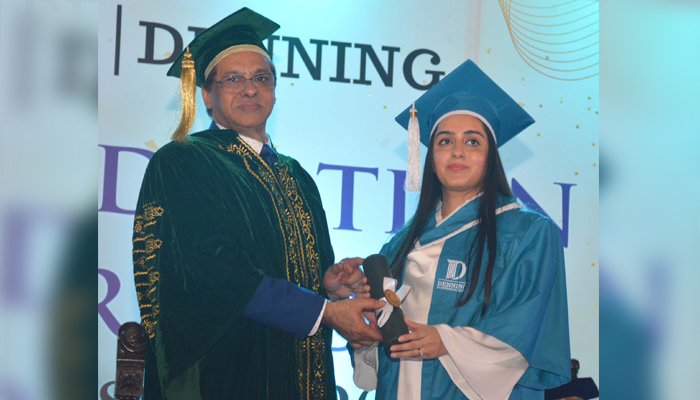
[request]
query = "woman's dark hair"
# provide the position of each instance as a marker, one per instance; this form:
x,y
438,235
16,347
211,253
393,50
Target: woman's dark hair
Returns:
x,y
492,183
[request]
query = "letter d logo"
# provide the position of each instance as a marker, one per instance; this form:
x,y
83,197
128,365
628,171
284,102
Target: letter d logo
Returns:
x,y
452,270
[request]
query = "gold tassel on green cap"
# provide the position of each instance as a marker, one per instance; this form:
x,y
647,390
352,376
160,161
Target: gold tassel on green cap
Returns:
x,y
188,86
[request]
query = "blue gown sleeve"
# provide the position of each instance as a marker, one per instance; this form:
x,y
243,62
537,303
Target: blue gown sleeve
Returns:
x,y
283,305
528,308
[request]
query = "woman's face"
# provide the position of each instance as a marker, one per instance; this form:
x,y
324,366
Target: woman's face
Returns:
x,y
459,150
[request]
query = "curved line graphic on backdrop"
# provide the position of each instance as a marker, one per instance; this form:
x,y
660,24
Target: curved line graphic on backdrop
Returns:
x,y
572,26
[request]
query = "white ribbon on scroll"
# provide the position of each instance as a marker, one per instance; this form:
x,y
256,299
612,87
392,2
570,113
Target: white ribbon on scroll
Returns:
x,y
384,313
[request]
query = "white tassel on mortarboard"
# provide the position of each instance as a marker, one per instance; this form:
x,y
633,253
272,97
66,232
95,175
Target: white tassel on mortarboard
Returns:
x,y
413,168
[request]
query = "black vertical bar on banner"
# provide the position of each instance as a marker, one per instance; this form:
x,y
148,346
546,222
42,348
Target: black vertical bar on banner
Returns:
x,y
118,40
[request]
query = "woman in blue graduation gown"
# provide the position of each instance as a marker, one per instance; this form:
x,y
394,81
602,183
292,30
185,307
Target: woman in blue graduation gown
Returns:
x,y
487,307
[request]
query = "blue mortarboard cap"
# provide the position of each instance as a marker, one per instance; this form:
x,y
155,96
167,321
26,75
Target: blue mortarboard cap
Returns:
x,y
468,90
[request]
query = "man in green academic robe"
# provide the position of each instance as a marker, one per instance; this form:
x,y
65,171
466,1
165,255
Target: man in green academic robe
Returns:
x,y
233,263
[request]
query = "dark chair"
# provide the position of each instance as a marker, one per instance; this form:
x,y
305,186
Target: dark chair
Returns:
x,y
131,362
577,389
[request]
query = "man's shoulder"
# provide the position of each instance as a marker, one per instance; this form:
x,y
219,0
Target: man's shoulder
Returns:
x,y
288,159
293,164
297,171
176,149
177,157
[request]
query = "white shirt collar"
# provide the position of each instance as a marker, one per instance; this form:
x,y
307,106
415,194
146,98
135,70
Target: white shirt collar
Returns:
x,y
254,143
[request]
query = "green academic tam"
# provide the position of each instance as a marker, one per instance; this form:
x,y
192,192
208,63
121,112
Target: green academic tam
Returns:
x,y
244,27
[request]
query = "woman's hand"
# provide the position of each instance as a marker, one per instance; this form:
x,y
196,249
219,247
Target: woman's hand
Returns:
x,y
423,342
345,279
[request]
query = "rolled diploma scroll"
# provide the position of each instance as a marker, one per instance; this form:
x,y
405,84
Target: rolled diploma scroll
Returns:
x,y
390,319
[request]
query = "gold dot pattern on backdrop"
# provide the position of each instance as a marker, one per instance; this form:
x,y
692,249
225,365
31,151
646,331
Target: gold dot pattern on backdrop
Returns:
x,y
385,107
292,83
593,144
595,165
522,79
540,105
521,104
558,41
596,113
576,126
575,173
538,135
488,51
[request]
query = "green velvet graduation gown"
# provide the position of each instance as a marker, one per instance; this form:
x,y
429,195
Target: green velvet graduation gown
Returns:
x,y
212,219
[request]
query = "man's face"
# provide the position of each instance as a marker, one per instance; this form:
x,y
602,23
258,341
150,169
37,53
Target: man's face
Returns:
x,y
245,111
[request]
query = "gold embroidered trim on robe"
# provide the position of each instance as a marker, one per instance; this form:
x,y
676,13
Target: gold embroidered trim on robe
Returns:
x,y
146,279
303,263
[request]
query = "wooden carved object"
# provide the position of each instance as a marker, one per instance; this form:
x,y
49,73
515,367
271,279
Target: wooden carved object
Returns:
x,y
131,362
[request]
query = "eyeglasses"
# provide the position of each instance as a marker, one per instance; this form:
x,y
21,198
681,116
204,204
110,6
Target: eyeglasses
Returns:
x,y
236,83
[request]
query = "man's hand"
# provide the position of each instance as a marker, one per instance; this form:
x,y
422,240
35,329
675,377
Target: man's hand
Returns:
x,y
343,280
363,293
346,317
372,318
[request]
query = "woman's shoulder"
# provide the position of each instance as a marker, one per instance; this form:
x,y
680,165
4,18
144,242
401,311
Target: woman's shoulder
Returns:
x,y
523,215
392,246
521,221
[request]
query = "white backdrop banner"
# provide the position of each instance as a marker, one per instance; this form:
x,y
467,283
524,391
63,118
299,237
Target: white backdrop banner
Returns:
x,y
345,70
